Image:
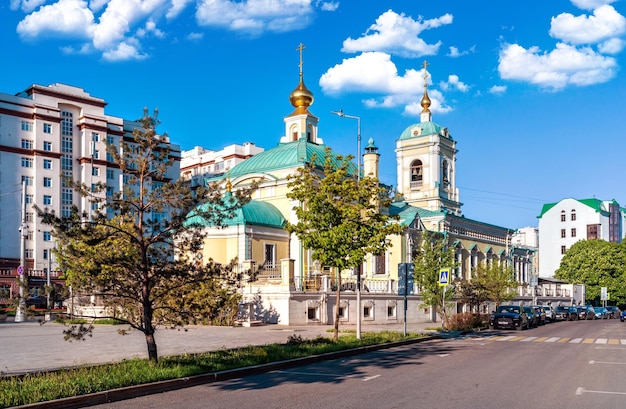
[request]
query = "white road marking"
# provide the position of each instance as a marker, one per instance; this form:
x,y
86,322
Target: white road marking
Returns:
x,y
601,341
576,341
580,391
527,339
506,338
369,378
553,339
607,363
442,355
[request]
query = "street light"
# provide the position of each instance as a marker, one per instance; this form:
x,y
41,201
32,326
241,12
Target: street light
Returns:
x,y
20,312
358,180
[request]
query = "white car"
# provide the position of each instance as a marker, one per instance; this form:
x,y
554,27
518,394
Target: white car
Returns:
x,y
550,313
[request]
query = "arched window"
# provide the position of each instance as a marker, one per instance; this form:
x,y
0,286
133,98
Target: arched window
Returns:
x,y
573,215
416,174
445,173
294,133
562,215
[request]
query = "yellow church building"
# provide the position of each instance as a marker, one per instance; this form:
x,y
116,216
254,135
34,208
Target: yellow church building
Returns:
x,y
290,288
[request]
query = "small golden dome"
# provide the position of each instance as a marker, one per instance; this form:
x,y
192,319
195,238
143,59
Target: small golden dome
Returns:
x,y
425,102
301,97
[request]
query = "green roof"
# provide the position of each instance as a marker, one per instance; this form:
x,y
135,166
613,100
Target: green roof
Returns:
x,y
284,156
595,204
252,213
428,128
406,212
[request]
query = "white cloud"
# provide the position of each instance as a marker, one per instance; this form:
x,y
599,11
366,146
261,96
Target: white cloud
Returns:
x,y
327,5
195,36
590,4
96,5
66,17
454,52
123,51
255,16
118,18
453,83
498,89
374,72
397,34
25,5
605,23
177,7
563,66
150,28
84,49
611,46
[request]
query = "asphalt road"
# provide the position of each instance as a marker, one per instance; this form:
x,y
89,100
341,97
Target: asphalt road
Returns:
x,y
574,365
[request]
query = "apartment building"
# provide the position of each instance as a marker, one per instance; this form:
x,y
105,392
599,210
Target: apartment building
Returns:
x,y
46,133
199,163
563,223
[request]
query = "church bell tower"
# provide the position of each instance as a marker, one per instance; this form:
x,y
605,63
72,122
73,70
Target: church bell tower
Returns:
x,y
426,163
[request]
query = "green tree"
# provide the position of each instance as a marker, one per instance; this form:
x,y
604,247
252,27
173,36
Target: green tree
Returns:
x,y
136,253
491,282
432,255
596,264
339,217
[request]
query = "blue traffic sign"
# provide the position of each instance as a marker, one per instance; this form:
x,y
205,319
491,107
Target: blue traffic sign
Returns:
x,y
444,277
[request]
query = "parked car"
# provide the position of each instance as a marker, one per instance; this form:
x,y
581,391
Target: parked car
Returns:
x,y
509,316
601,313
38,301
613,311
586,312
622,316
540,313
533,318
566,313
550,313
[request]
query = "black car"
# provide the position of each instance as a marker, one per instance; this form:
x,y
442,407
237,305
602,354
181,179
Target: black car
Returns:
x,y
533,318
613,311
565,313
586,312
509,316
540,313
37,301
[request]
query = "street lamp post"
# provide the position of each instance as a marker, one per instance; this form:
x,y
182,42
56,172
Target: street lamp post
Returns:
x,y
358,180
20,312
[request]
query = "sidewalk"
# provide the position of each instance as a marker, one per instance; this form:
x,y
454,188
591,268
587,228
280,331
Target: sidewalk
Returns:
x,y
31,347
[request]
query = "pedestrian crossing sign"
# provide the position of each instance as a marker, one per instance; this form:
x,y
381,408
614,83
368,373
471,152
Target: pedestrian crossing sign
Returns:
x,y
444,277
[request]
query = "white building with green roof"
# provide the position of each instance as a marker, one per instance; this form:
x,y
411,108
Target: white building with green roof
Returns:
x,y
563,223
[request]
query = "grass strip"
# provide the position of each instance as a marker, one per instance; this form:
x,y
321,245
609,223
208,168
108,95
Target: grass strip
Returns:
x,y
46,386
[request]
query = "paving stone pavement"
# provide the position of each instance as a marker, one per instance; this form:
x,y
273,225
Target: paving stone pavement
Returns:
x,y
31,347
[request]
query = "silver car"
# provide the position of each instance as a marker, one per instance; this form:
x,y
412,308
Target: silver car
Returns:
x,y
550,313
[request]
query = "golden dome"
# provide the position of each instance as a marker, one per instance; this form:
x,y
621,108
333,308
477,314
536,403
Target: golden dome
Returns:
x,y
301,97
425,102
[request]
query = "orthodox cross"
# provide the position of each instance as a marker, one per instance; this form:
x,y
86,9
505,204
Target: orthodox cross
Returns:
x,y
300,48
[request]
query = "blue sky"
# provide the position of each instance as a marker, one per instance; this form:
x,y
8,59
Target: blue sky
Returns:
x,y
532,91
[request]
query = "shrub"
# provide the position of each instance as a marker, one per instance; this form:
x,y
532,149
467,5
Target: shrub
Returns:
x,y
467,321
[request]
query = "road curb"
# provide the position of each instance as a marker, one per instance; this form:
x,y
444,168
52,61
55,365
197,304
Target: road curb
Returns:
x,y
130,392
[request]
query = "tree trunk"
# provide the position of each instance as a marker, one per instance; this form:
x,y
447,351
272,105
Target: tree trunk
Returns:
x,y
337,304
152,347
